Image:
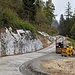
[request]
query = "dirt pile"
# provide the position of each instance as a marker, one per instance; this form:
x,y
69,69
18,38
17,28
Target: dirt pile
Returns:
x,y
59,66
45,42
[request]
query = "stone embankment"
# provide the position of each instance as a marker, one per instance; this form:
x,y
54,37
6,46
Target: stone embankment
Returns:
x,y
18,42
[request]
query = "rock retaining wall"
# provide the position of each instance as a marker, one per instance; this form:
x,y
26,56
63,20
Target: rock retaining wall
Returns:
x,y
18,43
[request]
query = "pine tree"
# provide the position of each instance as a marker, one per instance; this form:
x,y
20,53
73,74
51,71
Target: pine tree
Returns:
x,y
29,7
39,4
49,10
68,11
73,17
65,25
72,31
61,25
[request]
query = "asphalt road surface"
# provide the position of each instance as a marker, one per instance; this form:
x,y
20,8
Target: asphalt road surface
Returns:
x,y
33,67
10,65
15,65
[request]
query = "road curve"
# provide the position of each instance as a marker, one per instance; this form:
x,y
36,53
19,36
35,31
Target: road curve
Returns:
x,y
33,67
10,65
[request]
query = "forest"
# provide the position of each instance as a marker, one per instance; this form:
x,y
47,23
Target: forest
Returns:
x,y
36,15
31,15
67,22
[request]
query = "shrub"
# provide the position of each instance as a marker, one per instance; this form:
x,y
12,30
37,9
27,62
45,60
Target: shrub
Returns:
x,y
26,26
10,19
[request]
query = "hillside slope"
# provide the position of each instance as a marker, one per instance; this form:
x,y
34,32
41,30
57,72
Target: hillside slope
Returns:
x,y
12,15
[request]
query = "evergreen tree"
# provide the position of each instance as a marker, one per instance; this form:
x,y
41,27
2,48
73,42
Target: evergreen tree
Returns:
x,y
66,25
62,19
49,10
68,11
39,3
41,18
73,17
40,13
61,25
72,32
29,7
69,20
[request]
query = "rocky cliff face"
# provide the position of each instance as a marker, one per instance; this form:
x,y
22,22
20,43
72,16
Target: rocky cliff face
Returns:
x,y
18,43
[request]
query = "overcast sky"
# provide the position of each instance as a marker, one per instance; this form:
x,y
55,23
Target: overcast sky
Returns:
x,y
60,6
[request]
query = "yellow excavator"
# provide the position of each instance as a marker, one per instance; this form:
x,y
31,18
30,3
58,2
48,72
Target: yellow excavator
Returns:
x,y
64,50
67,51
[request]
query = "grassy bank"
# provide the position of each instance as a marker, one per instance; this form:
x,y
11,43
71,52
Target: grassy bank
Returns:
x,y
72,41
46,28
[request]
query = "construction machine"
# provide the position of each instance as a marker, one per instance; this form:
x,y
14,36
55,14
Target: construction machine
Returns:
x,y
63,49
67,51
59,47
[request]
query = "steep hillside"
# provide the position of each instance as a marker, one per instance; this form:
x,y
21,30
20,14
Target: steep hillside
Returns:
x,y
46,28
12,14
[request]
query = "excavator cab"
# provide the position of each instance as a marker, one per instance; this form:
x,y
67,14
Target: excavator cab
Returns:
x,y
63,48
59,46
